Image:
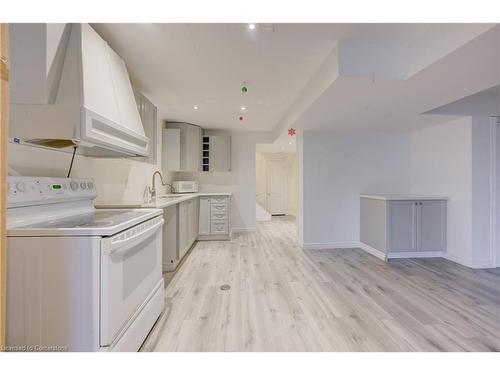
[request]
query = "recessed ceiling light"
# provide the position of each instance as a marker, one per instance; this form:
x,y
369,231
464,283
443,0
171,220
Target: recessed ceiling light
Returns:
x,y
289,143
243,108
195,107
252,26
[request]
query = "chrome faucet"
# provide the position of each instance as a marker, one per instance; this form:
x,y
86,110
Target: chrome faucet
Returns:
x,y
153,189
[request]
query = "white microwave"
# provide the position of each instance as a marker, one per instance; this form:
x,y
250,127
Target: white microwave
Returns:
x,y
185,186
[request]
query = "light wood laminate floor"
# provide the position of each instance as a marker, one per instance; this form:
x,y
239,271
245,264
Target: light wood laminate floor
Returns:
x,y
283,298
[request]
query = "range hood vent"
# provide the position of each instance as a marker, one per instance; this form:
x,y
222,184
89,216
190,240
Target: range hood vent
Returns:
x,y
68,83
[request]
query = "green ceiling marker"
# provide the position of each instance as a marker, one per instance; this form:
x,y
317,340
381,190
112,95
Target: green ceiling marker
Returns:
x,y
244,89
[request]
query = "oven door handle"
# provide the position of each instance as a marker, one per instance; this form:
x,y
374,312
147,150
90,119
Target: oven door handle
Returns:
x,y
120,246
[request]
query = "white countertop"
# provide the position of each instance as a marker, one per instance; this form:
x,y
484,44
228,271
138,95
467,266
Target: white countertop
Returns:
x,y
404,197
161,202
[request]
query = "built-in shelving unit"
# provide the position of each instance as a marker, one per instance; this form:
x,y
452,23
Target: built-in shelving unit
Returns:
x,y
205,154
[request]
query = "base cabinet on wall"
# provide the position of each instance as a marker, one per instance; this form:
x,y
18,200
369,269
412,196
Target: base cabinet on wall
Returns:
x,y
402,226
214,217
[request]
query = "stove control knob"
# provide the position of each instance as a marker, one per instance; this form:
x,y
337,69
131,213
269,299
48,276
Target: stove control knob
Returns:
x,y
21,187
82,185
73,185
90,185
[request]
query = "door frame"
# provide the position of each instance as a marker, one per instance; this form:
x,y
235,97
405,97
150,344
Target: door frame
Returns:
x,y
4,113
282,159
494,190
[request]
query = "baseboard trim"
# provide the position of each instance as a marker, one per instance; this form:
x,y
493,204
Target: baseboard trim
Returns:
x,y
397,255
243,230
329,245
468,263
372,251
415,254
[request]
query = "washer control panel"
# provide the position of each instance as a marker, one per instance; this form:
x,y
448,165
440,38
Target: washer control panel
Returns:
x,y
30,191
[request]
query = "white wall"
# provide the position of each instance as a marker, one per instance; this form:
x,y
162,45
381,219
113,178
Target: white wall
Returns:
x,y
451,159
482,159
260,179
336,168
441,164
291,183
240,180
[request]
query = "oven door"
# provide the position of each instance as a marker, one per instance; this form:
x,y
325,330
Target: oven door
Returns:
x,y
131,267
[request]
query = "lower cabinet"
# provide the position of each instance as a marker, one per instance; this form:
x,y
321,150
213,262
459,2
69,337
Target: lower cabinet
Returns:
x,y
202,218
170,237
214,217
403,228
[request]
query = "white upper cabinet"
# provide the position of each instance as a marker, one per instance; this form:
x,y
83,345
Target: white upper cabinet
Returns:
x,y
216,153
220,158
181,147
72,85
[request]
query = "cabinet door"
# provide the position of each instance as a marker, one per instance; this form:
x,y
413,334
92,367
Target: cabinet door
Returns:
x,y
170,256
431,226
220,153
194,218
192,232
183,228
402,234
171,149
204,217
190,148
148,114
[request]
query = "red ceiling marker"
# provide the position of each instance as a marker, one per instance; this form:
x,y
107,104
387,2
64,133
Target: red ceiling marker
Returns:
x,y
292,132
240,118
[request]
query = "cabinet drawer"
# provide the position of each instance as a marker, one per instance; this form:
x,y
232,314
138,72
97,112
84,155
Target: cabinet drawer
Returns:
x,y
218,207
223,215
216,200
219,227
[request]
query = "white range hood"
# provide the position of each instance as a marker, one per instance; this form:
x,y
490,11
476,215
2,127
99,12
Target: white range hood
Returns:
x,y
68,84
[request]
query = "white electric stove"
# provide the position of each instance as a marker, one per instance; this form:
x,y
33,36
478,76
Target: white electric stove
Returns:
x,y
79,278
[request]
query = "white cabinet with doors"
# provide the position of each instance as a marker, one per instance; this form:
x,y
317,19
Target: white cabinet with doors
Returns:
x,y
214,217
404,226
181,149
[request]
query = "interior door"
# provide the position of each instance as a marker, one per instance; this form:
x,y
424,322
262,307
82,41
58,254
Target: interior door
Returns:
x,y
276,186
4,100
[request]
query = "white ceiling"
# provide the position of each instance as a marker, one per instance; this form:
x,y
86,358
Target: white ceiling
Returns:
x,y
388,75
182,65
361,103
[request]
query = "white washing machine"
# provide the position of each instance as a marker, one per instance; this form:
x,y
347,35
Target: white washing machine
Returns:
x,y
79,278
